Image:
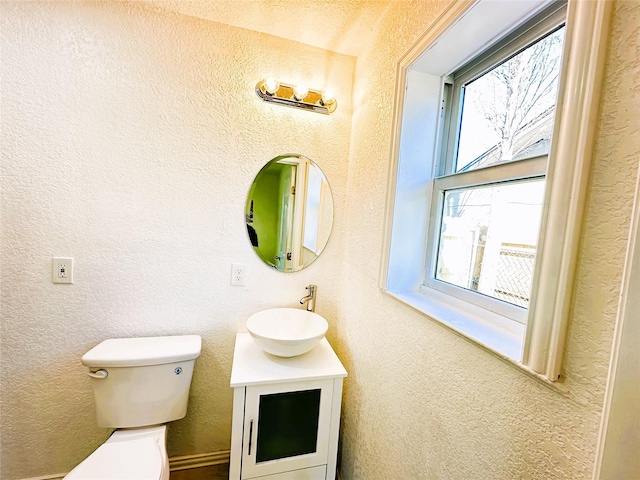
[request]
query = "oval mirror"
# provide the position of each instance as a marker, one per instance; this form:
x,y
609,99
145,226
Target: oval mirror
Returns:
x,y
289,213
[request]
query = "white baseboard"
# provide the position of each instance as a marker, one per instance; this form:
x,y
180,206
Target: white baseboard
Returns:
x,y
176,463
199,460
57,476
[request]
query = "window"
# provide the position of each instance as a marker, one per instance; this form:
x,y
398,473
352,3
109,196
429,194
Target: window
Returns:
x,y
488,191
492,140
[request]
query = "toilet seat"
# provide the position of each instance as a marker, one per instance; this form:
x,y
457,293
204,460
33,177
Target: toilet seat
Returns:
x,y
136,459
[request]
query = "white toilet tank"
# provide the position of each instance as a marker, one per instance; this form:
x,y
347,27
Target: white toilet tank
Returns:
x,y
142,381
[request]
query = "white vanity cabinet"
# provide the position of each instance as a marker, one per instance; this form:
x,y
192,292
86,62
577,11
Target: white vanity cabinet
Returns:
x,y
286,413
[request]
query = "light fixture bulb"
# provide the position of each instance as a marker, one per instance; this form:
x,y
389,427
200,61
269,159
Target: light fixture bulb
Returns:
x,y
300,91
271,86
328,96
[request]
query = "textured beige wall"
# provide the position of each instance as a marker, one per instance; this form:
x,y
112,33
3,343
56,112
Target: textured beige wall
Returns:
x,y
421,402
130,138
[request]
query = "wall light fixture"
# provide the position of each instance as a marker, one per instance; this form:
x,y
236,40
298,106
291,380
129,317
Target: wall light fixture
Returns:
x,y
298,96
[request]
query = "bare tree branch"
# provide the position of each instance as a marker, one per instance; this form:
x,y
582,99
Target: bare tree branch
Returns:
x,y
518,91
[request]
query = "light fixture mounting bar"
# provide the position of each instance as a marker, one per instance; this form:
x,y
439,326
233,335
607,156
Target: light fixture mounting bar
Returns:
x,y
313,101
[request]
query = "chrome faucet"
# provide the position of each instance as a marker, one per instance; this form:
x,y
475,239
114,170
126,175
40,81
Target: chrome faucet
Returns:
x,y
310,299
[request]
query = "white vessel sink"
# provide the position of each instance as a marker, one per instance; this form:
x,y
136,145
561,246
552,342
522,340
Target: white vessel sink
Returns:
x,y
287,332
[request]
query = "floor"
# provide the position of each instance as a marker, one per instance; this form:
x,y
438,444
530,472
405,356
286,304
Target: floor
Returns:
x,y
214,472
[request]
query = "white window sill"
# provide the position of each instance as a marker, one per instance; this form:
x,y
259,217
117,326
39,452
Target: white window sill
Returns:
x,y
494,332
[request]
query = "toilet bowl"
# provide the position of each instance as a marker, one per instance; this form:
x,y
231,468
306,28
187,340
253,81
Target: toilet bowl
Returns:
x,y
136,454
139,384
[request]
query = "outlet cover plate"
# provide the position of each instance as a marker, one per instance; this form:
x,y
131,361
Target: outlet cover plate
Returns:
x,y
238,273
62,270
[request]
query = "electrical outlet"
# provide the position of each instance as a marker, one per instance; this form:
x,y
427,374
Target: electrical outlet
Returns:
x,y
62,270
238,271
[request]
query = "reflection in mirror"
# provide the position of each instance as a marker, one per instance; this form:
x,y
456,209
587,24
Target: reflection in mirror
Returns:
x,y
289,213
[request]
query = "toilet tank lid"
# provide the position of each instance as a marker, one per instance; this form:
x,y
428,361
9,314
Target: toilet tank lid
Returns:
x,y
141,351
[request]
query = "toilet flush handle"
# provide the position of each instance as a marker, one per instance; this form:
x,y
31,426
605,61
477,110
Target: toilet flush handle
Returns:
x,y
100,374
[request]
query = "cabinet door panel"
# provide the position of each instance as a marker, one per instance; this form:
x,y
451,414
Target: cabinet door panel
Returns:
x,y
314,473
288,424
286,427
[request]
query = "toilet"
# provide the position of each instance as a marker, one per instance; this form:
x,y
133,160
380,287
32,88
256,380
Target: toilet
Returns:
x,y
139,384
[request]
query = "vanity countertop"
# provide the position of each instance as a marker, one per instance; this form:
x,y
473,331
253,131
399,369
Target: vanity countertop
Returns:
x,y
252,366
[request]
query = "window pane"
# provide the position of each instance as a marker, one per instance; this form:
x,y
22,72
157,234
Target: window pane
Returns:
x,y
507,114
488,239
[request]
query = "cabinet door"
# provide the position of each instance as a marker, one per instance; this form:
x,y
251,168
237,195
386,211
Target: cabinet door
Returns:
x,y
286,427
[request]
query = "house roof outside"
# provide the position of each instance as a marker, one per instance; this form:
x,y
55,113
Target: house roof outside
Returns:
x,y
533,139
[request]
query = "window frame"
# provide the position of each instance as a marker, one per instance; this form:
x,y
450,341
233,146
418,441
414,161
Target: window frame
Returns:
x,y
447,178
409,190
509,172
537,28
